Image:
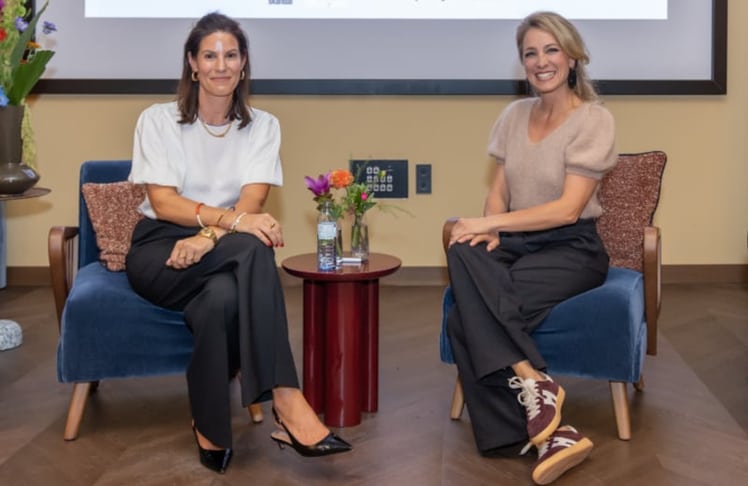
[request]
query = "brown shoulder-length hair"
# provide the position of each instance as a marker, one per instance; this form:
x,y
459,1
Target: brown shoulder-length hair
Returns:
x,y
570,41
187,89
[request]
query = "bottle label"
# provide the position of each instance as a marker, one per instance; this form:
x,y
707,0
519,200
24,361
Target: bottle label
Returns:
x,y
327,230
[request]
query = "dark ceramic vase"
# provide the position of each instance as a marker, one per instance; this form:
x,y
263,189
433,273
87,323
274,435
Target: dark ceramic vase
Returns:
x,y
15,176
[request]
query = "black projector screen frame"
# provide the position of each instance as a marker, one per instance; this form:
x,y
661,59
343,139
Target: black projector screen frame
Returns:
x,y
713,84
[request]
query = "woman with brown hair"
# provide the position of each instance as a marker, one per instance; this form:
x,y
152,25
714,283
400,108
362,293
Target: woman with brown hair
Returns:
x,y
205,246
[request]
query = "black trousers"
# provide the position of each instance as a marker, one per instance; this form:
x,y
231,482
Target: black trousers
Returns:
x,y
501,297
233,304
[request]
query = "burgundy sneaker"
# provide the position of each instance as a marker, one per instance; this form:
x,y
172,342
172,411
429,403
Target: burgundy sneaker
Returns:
x,y
563,450
542,401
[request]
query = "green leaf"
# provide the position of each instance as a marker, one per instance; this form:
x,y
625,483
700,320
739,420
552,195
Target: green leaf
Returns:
x,y
18,50
27,75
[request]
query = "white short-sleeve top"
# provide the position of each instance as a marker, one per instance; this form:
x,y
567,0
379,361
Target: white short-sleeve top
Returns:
x,y
203,167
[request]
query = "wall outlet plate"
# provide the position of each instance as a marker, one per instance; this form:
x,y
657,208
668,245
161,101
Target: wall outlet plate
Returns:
x,y
423,178
387,179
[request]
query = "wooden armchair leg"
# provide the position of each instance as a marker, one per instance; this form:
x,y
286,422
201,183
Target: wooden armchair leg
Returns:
x,y
255,411
458,401
76,409
621,409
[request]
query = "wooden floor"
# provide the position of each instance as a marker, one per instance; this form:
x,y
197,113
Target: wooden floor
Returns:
x,y
689,425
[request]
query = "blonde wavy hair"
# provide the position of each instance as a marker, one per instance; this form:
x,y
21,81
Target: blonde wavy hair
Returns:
x,y
571,43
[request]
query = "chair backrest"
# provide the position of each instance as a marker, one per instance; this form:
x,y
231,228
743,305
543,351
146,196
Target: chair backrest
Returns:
x,y
99,171
629,195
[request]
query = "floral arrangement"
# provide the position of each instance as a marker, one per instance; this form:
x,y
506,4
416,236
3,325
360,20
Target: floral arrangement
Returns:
x,y
22,61
357,197
322,187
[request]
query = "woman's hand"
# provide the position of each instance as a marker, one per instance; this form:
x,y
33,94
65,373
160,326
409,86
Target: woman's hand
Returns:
x,y
263,226
189,251
474,230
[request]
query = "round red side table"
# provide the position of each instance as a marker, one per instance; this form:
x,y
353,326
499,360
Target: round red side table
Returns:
x,y
341,335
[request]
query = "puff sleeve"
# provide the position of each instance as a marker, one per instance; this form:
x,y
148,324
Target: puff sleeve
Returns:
x,y
592,152
500,132
263,151
157,149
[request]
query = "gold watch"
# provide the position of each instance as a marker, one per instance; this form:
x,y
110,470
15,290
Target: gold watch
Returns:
x,y
207,232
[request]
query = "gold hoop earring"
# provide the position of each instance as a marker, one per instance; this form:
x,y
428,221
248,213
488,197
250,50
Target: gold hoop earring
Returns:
x,y
241,76
194,76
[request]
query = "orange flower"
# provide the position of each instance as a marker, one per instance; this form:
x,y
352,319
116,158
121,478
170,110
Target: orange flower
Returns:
x,y
340,178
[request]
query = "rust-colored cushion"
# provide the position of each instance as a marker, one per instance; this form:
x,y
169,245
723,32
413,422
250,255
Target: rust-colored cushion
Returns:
x,y
629,195
113,209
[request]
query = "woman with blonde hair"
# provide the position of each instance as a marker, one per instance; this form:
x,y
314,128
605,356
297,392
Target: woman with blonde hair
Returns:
x,y
535,246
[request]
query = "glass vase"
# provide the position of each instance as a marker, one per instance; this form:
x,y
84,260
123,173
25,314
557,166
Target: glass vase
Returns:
x,y
339,243
360,238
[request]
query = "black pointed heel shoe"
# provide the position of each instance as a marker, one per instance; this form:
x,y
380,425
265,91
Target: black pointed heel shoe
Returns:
x,y
215,460
331,444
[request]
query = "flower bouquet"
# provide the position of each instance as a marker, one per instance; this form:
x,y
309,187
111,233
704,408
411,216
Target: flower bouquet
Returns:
x,y
22,62
356,199
322,187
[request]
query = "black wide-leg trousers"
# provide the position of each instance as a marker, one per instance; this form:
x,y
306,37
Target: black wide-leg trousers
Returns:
x,y
501,297
233,304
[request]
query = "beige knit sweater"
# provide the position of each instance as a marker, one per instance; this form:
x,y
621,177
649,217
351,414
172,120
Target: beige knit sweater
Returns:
x,y
583,144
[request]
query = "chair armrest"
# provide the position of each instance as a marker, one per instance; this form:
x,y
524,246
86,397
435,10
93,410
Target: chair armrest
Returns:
x,y
652,269
446,231
62,246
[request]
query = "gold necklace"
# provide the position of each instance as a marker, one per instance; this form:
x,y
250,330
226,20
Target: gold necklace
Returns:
x,y
214,134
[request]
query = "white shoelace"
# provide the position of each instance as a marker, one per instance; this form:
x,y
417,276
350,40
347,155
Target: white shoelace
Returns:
x,y
527,447
528,397
543,448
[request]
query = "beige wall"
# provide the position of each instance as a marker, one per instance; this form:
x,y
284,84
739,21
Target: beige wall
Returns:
x,y
703,211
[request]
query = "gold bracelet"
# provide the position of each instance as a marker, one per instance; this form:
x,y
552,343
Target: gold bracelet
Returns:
x,y
236,222
218,223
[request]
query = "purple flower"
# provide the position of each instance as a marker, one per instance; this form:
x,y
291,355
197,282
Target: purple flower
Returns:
x,y
21,24
319,186
48,27
2,4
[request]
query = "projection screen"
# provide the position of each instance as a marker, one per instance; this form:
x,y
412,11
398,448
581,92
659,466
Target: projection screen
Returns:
x,y
386,46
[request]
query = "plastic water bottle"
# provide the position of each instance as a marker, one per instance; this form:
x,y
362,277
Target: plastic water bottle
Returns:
x,y
327,231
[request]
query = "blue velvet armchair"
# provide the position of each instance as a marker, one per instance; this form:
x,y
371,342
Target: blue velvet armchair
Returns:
x,y
106,329
606,332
